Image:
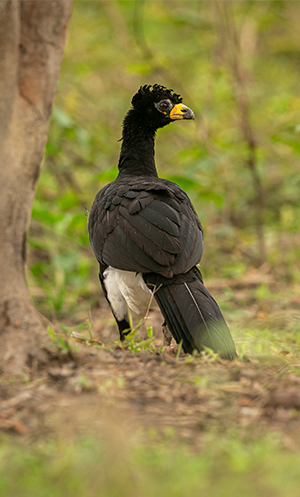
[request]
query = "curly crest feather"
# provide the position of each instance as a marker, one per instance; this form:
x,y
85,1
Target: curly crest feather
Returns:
x,y
154,93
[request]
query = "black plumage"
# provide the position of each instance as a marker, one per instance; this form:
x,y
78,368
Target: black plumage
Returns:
x,y
147,226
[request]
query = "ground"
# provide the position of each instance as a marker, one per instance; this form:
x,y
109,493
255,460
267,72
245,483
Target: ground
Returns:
x,y
162,391
142,420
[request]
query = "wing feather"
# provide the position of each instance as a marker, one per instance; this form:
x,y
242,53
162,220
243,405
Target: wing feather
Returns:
x,y
147,226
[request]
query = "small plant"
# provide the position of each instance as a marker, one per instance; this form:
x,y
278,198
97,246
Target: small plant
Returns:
x,y
209,355
202,382
82,383
137,345
88,340
62,343
179,350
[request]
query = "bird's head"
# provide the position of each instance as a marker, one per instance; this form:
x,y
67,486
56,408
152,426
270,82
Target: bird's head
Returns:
x,y
155,106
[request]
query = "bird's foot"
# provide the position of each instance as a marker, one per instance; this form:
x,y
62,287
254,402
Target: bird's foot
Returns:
x,y
167,335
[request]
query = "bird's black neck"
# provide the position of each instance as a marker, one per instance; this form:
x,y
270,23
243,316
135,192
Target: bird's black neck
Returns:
x,y
137,153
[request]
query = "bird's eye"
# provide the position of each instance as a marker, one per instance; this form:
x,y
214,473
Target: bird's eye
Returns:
x,y
164,105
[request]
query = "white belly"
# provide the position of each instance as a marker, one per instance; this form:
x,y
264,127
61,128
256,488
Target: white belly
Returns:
x,y
125,288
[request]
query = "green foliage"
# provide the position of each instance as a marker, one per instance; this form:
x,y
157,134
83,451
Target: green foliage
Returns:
x,y
136,345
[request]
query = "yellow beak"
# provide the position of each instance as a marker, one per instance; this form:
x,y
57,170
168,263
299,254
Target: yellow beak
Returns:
x,y
181,111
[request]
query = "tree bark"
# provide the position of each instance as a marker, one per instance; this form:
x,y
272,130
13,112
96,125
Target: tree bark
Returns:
x,y
32,36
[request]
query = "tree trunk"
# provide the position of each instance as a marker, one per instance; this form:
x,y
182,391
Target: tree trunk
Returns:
x,y
32,35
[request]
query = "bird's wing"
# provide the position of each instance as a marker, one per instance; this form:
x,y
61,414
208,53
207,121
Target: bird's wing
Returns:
x,y
145,226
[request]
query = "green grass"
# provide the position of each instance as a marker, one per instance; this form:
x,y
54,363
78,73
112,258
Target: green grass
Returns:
x,y
226,465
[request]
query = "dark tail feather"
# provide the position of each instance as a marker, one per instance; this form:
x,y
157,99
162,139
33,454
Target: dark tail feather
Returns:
x,y
193,316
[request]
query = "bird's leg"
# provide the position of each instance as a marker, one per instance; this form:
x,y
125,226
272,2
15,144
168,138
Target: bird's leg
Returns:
x,y
167,334
124,328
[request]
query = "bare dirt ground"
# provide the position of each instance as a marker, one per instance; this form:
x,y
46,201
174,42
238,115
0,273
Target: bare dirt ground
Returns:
x,y
152,390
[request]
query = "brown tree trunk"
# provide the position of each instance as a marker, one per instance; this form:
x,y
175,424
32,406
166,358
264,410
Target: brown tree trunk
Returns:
x,y
32,35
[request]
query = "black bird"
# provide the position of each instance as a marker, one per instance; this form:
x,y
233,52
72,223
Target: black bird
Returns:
x,y
147,236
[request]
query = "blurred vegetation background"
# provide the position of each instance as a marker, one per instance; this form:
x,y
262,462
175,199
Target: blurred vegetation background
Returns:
x,y
236,65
